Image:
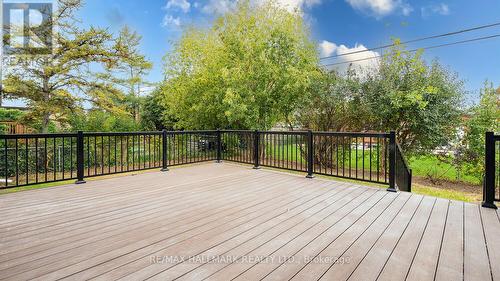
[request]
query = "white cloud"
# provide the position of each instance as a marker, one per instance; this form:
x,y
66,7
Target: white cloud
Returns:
x,y
327,48
170,21
293,5
357,57
381,8
223,6
183,5
218,6
440,9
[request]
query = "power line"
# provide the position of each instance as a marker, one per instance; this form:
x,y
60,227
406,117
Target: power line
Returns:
x,y
416,40
425,48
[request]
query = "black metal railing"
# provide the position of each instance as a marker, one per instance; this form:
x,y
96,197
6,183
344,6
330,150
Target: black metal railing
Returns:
x,y
37,158
283,150
491,184
372,157
188,147
111,153
360,156
238,146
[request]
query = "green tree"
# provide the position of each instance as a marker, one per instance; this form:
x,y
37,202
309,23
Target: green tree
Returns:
x,y
483,117
250,70
57,83
337,104
421,102
154,116
130,71
98,120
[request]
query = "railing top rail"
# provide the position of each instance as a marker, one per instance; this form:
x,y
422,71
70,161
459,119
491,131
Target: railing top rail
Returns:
x,y
94,134
285,132
194,132
52,135
237,131
28,136
354,134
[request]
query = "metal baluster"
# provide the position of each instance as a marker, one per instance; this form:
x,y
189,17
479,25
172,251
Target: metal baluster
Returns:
x,y
378,159
63,154
356,157
133,152
370,158
17,161
363,157
115,158
36,160
46,160
350,156
27,161
71,157
6,173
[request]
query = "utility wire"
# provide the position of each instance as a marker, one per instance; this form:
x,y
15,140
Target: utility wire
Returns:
x,y
425,48
416,40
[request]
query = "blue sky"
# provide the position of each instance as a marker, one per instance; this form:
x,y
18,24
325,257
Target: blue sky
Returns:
x,y
336,25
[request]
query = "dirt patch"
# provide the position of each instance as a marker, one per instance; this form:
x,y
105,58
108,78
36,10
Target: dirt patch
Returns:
x,y
449,185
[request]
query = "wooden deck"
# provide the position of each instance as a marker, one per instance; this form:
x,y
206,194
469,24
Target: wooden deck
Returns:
x,y
224,221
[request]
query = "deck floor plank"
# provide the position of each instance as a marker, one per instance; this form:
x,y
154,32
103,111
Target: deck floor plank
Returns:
x,y
423,267
475,253
143,223
491,227
264,224
451,256
156,237
399,262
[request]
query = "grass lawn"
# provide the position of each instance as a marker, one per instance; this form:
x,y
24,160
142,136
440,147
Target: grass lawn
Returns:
x,y
292,153
426,166
35,186
446,193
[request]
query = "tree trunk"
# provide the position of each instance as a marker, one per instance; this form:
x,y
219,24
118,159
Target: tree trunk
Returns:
x,y
46,113
45,123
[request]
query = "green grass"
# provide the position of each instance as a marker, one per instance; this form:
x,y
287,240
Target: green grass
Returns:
x,y
430,165
35,186
445,193
292,153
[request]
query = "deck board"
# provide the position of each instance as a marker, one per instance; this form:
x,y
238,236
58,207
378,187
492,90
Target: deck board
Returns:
x,y
427,254
243,224
451,257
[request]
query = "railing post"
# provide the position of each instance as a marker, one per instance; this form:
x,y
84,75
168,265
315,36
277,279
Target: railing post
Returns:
x,y
164,156
79,158
489,172
310,155
256,152
392,162
219,146
410,180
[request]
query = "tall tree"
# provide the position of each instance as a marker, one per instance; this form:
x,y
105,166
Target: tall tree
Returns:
x,y
129,73
422,102
249,70
55,83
